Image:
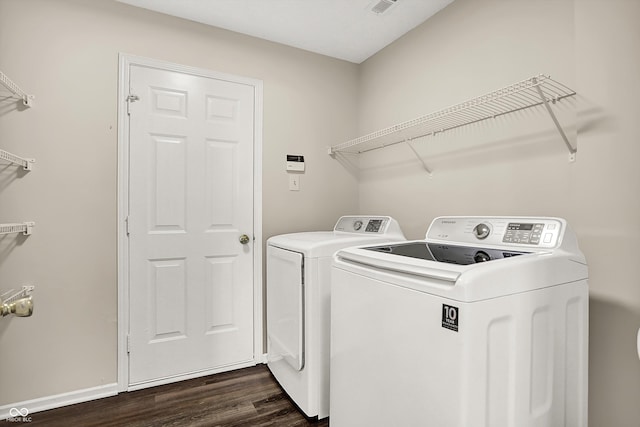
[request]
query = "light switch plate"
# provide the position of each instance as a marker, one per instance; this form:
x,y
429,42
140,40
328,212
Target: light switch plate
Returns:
x,y
294,182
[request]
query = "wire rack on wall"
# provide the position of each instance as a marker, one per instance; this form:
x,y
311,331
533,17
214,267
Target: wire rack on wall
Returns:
x,y
532,92
27,100
27,164
21,227
18,303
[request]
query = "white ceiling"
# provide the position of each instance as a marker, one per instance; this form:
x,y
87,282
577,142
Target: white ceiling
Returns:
x,y
343,29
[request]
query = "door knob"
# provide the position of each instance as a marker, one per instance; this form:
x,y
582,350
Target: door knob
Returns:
x,y
244,239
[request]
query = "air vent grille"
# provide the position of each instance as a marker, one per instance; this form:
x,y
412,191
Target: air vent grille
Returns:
x,y
382,6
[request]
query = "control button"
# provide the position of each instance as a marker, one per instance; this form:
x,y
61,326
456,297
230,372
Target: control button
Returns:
x,y
508,237
551,227
481,231
548,237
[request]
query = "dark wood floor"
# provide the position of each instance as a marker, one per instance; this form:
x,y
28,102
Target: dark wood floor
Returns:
x,y
248,397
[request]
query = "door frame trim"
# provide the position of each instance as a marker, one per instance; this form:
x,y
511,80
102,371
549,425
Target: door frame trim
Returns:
x,y
125,61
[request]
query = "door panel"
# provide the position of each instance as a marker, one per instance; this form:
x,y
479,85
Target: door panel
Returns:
x,y
219,282
285,306
221,158
167,299
191,197
168,183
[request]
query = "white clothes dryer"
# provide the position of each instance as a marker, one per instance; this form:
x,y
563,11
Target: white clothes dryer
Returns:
x,y
484,323
298,303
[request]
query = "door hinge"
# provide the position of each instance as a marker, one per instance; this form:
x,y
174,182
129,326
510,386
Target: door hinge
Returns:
x,y
128,344
126,225
131,98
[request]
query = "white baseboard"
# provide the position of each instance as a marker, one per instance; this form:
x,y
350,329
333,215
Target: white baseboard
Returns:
x,y
57,401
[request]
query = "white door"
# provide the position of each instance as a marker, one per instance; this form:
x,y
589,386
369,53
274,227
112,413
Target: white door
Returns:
x,y
190,201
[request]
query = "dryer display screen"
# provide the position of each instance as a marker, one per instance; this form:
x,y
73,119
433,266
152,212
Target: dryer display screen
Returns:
x,y
373,226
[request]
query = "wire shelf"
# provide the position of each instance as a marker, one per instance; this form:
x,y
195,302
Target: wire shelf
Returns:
x,y
27,100
532,92
27,164
11,295
25,228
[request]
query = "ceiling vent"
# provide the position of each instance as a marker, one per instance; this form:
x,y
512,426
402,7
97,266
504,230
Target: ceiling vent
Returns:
x,y
382,6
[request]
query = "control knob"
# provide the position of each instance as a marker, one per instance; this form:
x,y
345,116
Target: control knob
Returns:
x,y
481,231
481,256
357,225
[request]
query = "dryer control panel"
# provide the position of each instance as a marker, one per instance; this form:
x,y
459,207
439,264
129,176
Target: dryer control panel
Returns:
x,y
367,225
498,231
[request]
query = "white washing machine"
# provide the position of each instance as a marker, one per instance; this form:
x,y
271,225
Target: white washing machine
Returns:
x,y
298,304
484,324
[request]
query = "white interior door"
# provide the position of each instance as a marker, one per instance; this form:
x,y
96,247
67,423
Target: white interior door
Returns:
x,y
190,199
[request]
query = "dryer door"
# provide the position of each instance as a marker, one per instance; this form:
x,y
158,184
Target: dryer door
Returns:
x,y
285,306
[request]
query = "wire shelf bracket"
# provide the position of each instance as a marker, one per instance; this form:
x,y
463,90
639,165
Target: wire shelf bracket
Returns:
x,y
572,148
27,164
25,228
529,93
27,100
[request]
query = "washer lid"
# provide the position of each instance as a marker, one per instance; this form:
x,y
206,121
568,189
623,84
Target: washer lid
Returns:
x,y
455,271
452,254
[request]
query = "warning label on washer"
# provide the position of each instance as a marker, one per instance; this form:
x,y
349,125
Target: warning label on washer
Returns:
x,y
450,317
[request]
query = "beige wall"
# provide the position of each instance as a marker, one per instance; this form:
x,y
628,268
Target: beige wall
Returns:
x,y
518,165
66,53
